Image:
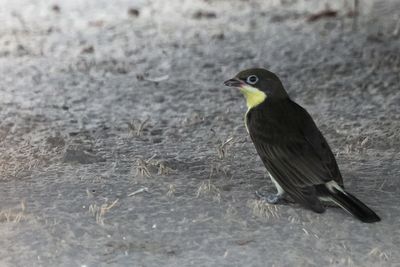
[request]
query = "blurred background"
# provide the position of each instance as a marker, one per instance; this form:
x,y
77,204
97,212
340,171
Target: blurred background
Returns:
x,y
120,146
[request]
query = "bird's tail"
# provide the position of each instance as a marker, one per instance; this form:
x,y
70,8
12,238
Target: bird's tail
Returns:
x,y
352,205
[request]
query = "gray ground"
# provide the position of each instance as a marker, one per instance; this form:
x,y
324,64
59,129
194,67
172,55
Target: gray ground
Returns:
x,y
98,102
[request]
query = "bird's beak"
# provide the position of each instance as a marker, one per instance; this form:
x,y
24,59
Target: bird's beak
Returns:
x,y
233,83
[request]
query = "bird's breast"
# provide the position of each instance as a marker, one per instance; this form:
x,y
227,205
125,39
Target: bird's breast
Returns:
x,y
264,127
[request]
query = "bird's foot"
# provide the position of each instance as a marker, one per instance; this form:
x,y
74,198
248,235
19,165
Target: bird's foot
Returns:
x,y
273,199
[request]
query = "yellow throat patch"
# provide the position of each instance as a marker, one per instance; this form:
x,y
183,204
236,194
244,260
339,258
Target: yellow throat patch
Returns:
x,y
253,96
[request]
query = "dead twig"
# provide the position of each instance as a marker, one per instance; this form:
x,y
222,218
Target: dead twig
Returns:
x,y
223,148
141,190
327,13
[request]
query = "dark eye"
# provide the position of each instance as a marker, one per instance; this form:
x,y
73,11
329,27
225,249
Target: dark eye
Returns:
x,y
252,79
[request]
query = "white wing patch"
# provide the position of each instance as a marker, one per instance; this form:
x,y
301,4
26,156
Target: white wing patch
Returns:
x,y
278,187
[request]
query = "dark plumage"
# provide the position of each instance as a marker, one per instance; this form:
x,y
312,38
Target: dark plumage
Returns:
x,y
295,153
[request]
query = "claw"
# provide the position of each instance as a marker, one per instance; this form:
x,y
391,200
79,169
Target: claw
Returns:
x,y
271,199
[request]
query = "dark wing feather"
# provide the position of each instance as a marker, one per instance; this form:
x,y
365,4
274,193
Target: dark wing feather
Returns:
x,y
297,160
293,150
296,170
319,144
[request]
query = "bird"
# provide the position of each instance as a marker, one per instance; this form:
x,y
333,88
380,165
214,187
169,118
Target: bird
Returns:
x,y
295,153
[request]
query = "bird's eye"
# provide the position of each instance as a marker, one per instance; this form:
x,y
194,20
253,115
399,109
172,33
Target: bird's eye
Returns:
x,y
252,79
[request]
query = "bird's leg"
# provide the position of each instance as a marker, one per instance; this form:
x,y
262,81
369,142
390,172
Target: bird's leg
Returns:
x,y
280,197
273,198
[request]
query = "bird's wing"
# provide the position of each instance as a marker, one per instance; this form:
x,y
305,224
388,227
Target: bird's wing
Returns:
x,y
287,139
296,168
295,160
318,144
293,150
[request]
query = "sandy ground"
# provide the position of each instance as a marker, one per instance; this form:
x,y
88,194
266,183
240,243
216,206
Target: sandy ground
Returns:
x,y
120,146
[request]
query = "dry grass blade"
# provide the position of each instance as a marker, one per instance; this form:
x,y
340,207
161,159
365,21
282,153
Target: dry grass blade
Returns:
x,y
377,252
222,149
207,188
136,127
171,190
262,209
218,168
163,169
12,215
99,211
141,168
364,142
141,190
19,159
294,219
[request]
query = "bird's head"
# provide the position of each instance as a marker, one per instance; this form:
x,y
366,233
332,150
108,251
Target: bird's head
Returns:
x,y
257,85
